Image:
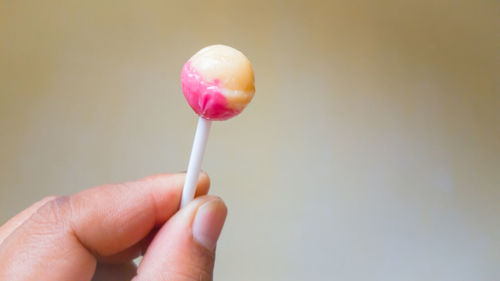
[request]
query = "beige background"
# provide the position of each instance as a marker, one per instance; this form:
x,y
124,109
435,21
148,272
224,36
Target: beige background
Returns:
x,y
370,152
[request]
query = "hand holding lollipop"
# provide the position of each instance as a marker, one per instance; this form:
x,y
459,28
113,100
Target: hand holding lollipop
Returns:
x,y
218,82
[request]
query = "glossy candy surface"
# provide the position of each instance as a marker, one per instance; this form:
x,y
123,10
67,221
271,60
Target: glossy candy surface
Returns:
x,y
218,82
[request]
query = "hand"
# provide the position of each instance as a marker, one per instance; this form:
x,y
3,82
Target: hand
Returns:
x,y
95,234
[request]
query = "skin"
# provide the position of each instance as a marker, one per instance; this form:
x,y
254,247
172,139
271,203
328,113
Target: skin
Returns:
x,y
95,234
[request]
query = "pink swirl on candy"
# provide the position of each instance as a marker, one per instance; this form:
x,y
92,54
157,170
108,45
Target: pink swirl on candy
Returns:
x,y
204,97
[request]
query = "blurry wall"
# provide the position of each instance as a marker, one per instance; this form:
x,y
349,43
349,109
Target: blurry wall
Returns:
x,y
370,152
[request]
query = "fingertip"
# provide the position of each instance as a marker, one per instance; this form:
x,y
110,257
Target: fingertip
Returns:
x,y
204,178
184,248
203,184
208,223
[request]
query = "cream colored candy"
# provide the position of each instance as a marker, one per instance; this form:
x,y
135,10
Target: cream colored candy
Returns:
x,y
219,77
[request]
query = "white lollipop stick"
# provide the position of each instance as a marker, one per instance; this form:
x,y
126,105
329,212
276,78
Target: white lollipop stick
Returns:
x,y
194,166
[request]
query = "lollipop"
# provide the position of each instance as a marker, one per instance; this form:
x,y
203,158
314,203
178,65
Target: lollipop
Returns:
x,y
218,83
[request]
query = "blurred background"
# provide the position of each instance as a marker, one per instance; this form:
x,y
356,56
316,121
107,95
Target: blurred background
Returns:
x,y
370,152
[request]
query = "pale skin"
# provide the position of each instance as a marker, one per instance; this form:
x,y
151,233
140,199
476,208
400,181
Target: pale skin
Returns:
x,y
95,234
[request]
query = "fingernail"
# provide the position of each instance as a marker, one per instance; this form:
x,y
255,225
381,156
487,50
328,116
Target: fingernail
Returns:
x,y
208,223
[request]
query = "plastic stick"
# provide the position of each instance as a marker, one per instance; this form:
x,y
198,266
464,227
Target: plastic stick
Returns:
x,y
195,160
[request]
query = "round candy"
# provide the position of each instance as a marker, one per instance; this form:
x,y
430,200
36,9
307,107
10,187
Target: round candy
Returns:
x,y
218,82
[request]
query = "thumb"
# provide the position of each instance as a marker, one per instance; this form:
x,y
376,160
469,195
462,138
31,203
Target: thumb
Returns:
x,y
184,248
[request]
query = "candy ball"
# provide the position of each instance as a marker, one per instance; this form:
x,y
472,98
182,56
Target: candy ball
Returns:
x,y
218,82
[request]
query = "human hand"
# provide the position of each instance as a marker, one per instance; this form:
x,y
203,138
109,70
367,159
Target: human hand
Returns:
x,y
95,234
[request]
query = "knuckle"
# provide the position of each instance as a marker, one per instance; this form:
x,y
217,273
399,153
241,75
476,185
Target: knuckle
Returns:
x,y
48,198
206,260
200,266
53,212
